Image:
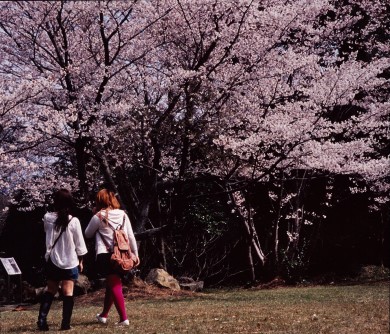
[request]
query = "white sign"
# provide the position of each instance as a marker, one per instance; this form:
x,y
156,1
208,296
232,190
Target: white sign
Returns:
x,y
10,266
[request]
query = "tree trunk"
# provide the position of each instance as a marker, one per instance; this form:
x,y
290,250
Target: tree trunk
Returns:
x,y
277,264
252,239
106,170
81,163
160,239
251,266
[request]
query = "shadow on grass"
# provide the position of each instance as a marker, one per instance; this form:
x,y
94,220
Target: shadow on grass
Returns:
x,y
53,327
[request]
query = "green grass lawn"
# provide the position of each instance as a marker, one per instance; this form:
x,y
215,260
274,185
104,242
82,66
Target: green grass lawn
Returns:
x,y
356,309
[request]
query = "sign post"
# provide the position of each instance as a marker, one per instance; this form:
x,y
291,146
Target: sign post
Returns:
x,y
12,269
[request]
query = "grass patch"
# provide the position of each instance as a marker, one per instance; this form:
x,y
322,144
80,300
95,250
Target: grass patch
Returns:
x,y
353,309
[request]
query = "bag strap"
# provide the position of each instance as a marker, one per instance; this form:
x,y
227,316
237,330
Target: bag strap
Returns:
x,y
104,241
101,235
62,230
123,222
52,247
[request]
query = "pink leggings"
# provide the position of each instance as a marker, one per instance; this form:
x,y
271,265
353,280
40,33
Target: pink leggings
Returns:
x,y
114,295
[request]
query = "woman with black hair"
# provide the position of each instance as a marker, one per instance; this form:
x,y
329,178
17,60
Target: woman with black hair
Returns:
x,y
65,247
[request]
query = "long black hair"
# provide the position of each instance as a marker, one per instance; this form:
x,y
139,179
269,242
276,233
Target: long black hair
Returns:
x,y
63,205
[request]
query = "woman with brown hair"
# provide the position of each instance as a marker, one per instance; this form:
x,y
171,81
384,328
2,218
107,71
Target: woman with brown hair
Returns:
x,y
65,247
110,217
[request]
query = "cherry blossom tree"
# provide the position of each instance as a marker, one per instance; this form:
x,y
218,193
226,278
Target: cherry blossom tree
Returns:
x,y
69,53
293,127
147,96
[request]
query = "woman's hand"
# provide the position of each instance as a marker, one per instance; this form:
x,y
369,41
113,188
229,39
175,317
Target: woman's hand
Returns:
x,y
136,261
81,266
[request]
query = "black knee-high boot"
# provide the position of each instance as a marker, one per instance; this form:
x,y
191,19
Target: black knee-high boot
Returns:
x,y
47,299
67,308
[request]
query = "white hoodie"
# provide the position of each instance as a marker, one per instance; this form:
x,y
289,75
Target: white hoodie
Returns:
x,y
115,219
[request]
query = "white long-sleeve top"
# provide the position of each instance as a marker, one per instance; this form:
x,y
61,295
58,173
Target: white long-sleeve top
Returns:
x,y
115,219
69,246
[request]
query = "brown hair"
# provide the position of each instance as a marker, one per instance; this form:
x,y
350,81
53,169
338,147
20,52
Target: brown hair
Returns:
x,y
105,199
63,204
